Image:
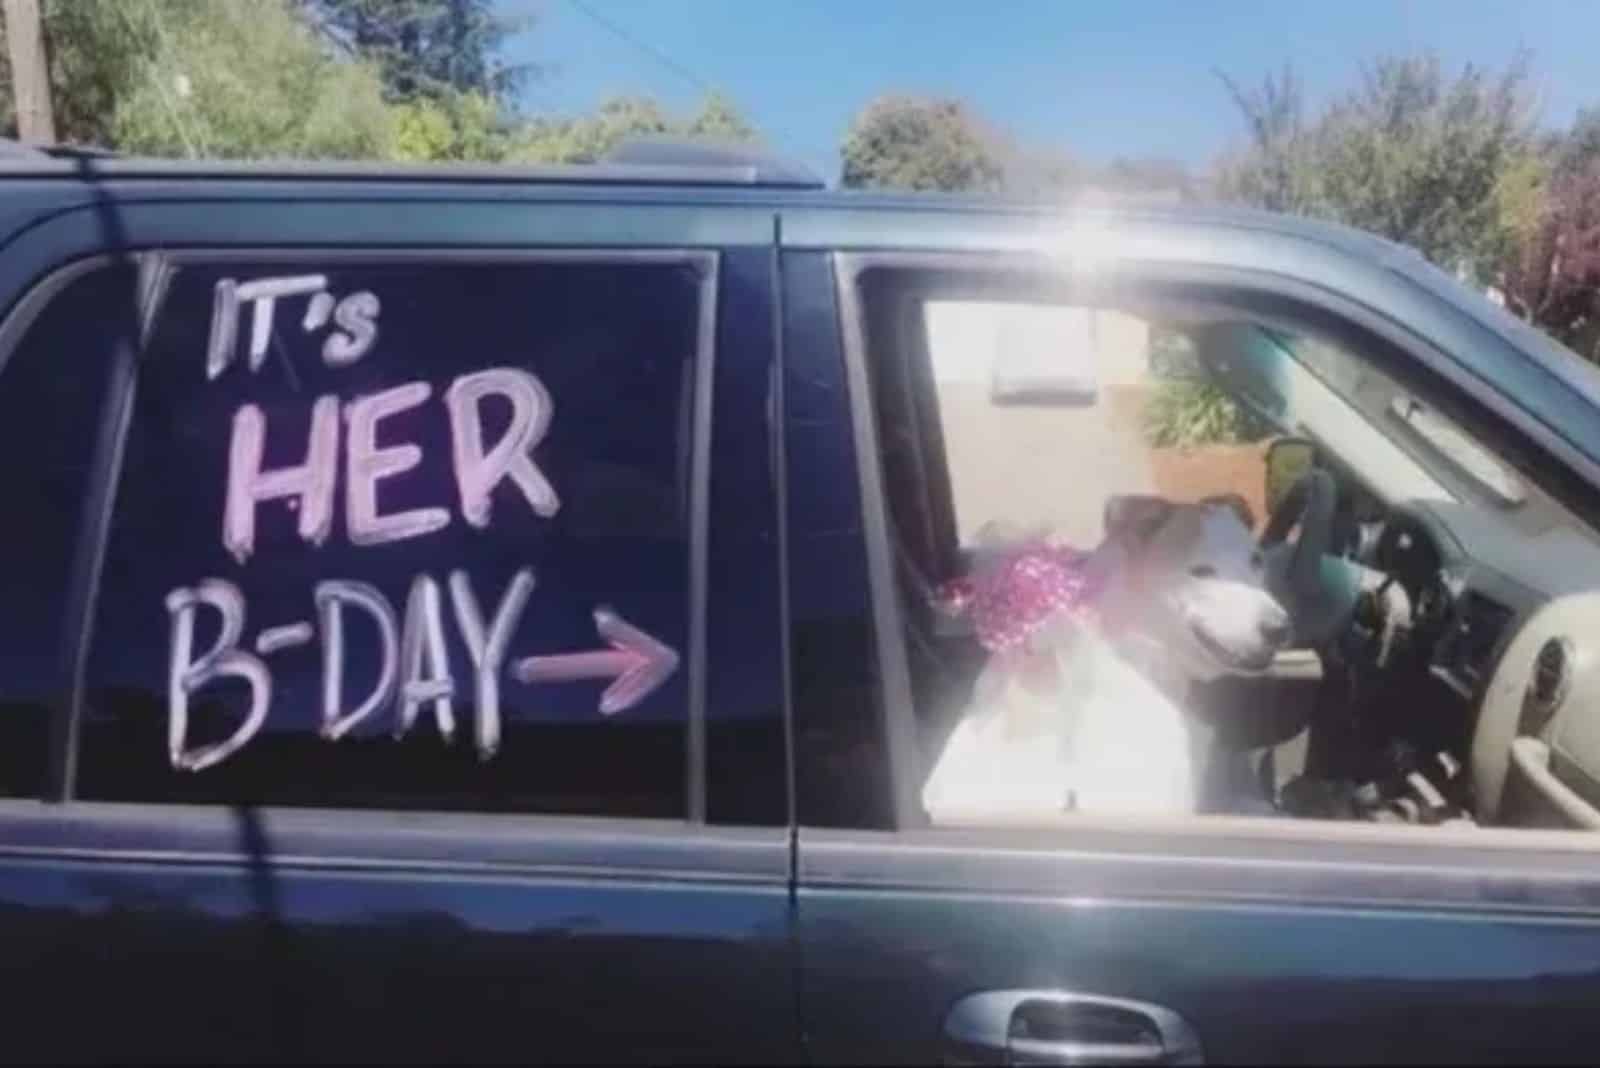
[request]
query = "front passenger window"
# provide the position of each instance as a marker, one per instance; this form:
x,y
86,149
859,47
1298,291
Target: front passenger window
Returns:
x,y
1102,610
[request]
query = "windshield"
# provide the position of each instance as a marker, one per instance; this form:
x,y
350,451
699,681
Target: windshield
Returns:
x,y
1456,448
1305,387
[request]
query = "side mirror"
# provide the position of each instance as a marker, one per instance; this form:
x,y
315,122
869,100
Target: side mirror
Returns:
x,y
1288,460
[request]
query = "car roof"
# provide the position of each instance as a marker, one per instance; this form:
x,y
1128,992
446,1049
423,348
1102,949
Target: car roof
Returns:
x,y
651,166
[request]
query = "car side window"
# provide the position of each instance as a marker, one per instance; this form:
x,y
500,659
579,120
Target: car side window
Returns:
x,y
52,388
405,535
1151,553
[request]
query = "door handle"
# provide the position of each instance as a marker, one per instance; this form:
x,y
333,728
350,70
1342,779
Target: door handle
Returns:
x,y
1062,1027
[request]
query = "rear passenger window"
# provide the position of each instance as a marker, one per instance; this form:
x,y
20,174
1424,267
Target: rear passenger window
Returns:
x,y
52,386
405,536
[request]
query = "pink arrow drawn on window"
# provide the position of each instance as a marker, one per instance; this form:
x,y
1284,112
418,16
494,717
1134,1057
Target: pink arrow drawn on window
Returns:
x,y
635,660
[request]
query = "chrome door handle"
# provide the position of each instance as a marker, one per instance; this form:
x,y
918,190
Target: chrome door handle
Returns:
x,y
1062,1027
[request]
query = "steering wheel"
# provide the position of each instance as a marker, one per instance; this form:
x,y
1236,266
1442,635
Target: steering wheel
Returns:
x,y
1298,575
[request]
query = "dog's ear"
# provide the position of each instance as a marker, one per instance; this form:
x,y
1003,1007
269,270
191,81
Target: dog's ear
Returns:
x,y
1134,519
1235,501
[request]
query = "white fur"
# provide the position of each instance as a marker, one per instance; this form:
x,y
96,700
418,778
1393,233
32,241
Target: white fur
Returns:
x,y
1106,730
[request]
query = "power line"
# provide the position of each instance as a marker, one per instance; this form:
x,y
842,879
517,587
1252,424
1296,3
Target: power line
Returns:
x,y
652,51
622,34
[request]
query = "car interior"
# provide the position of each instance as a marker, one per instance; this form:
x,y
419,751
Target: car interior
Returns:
x,y
1442,670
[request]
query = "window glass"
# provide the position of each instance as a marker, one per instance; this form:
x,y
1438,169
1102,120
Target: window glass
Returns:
x,y
52,387
406,536
1109,608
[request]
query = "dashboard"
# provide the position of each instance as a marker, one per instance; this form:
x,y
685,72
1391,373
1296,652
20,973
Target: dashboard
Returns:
x,y
1465,601
1479,584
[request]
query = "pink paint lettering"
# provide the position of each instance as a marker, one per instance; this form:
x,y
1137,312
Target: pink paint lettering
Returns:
x,y
311,484
366,464
479,471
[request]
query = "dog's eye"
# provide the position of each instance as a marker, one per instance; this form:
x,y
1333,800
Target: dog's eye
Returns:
x,y
1258,561
1203,571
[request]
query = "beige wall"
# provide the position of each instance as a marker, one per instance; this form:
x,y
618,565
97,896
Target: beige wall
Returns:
x,y
1027,464
1030,465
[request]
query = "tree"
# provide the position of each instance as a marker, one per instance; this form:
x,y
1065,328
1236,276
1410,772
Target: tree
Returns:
x,y
1551,271
459,126
1408,154
919,144
916,143
1277,169
248,79
97,49
1553,276
720,120
588,139
425,48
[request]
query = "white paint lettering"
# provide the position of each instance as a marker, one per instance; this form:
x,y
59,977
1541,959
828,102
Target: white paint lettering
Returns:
x,y
311,483
224,327
263,294
187,673
357,314
276,639
479,471
318,310
424,661
366,463
488,649
331,597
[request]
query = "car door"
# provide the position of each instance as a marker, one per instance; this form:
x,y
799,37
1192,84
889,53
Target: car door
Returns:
x,y
420,697
1222,940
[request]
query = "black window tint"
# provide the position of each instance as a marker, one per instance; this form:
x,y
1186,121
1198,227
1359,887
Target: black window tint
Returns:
x,y
51,391
614,348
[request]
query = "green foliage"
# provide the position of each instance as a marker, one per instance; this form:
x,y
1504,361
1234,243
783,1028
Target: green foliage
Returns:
x,y
247,79
97,49
1409,154
1184,413
1277,171
720,120
921,144
589,138
431,49
1172,353
456,126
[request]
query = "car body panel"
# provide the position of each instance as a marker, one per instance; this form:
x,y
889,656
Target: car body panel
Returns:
x,y
335,935
425,937
1276,941
243,934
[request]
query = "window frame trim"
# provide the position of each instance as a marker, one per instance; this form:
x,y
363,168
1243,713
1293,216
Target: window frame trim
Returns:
x,y
157,266
895,711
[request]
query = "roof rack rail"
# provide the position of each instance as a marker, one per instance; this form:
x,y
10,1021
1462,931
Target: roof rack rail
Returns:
x,y
754,165
646,161
10,148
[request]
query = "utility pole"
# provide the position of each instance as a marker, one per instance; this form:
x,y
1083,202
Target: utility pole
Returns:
x,y
30,72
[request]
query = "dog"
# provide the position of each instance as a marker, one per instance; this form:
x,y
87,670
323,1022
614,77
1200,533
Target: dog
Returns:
x,y
1088,715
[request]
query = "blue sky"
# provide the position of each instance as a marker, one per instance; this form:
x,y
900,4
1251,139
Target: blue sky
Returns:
x,y
1098,78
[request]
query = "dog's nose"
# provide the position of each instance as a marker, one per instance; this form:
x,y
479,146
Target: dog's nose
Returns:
x,y
1275,630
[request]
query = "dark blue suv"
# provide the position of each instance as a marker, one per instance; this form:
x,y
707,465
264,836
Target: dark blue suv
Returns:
x,y
469,615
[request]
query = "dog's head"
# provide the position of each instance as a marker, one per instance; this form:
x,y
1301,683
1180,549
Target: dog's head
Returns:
x,y
1192,581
